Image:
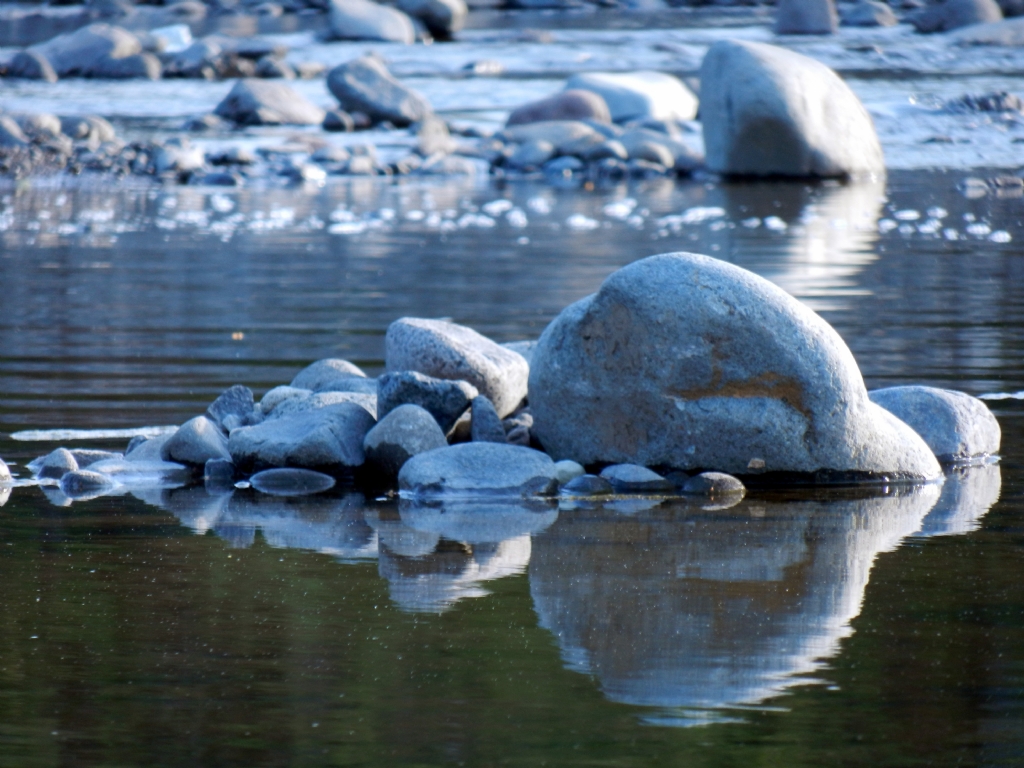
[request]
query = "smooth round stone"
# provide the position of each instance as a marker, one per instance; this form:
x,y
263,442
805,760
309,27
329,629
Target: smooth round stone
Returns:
x,y
323,375
632,478
56,464
291,482
88,456
85,482
713,484
5,473
588,485
567,470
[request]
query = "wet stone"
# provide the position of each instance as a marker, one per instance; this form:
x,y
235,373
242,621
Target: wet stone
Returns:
x,y
5,473
485,426
86,457
714,485
588,485
197,441
219,473
291,482
146,448
566,470
84,482
55,464
476,468
632,478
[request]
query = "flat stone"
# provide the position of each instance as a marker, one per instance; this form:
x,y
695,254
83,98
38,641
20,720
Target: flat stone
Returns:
x,y
365,20
324,375
365,85
54,465
713,484
443,399
329,439
639,95
588,485
632,478
476,468
288,481
485,426
686,361
86,457
235,403
404,432
769,111
956,426
314,401
567,470
448,351
806,17
268,102
196,442
571,104
85,483
146,449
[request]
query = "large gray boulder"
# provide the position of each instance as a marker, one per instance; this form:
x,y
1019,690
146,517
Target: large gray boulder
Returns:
x,y
641,95
954,14
769,111
86,51
448,351
956,426
443,18
365,85
365,20
445,400
268,102
329,439
806,17
689,362
573,104
196,442
470,469
406,431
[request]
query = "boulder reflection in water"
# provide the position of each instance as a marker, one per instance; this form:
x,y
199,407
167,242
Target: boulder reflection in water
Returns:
x,y
686,608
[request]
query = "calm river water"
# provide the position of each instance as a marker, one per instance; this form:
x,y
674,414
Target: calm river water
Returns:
x,y
880,627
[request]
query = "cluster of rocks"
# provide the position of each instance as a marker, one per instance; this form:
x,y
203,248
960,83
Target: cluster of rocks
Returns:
x,y
823,17
102,50
681,373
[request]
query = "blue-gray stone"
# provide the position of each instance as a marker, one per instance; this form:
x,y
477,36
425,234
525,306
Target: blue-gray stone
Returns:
x,y
713,484
289,481
444,399
485,426
331,374
404,432
196,442
470,469
588,485
632,478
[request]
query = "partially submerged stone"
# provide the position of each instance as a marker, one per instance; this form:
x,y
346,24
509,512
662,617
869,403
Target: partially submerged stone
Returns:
x,y
477,468
5,474
54,465
196,442
404,432
769,111
443,399
288,481
806,17
588,485
632,478
567,470
956,426
268,102
365,85
682,360
146,449
448,351
85,483
639,95
714,485
328,439
86,457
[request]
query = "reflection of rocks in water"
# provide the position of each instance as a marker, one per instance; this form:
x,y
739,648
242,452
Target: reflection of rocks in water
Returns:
x,y
968,493
435,554
829,239
327,524
679,607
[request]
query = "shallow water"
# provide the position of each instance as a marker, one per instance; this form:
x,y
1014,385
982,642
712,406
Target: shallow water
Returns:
x,y
181,627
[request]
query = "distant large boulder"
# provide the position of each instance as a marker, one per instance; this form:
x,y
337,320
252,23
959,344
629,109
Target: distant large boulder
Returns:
x,y
443,18
769,111
806,17
689,362
639,95
267,102
91,50
953,14
365,85
366,20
